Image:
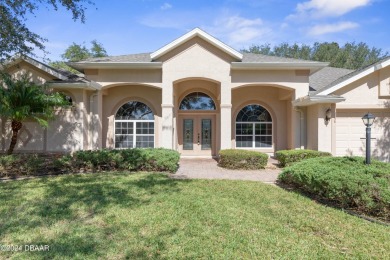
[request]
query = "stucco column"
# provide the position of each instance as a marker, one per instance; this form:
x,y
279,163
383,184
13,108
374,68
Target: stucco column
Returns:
x,y
226,116
167,116
324,129
99,124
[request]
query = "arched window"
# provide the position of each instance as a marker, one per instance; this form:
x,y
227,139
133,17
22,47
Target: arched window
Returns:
x,y
197,101
134,126
254,127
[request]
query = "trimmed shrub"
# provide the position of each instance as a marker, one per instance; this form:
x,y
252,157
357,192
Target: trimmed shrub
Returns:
x,y
137,159
346,181
288,157
242,159
149,159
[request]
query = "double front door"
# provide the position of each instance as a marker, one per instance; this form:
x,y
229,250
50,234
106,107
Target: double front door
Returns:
x,y
196,135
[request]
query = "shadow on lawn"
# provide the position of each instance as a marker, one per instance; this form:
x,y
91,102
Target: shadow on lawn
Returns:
x,y
76,200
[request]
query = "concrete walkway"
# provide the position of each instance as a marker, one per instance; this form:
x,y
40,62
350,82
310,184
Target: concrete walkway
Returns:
x,y
208,169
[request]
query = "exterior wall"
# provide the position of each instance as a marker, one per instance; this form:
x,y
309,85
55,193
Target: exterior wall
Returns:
x,y
111,77
267,97
64,134
115,97
312,127
368,94
364,93
320,133
195,59
37,75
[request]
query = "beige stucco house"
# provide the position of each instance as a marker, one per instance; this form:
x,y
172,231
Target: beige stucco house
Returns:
x,y
197,95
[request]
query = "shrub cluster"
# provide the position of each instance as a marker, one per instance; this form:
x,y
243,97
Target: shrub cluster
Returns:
x,y
346,181
150,159
288,157
242,159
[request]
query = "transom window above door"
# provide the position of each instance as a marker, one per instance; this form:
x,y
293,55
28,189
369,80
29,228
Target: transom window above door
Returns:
x,y
134,126
254,127
197,101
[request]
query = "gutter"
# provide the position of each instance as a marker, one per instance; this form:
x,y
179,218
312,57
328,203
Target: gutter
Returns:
x,y
311,100
312,66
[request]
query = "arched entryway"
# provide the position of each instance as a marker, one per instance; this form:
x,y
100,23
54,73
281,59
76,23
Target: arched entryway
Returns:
x,y
197,124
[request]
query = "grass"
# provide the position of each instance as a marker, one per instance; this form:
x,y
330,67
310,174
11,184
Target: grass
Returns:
x,y
118,216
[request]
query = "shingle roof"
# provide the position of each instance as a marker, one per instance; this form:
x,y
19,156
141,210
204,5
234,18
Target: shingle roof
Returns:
x,y
140,57
254,57
145,57
344,77
325,76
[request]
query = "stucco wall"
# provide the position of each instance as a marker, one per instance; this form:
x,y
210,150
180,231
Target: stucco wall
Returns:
x,y
268,97
64,133
364,93
117,96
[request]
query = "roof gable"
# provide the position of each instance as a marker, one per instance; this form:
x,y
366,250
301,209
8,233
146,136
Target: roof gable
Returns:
x,y
39,65
353,76
192,34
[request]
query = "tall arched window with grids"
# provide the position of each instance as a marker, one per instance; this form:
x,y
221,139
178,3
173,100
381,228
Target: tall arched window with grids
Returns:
x,y
254,127
134,126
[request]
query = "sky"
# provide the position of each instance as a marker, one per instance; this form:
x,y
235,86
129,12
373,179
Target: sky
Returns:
x,y
139,26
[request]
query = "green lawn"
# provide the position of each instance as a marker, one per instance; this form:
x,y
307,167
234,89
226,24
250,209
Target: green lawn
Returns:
x,y
151,216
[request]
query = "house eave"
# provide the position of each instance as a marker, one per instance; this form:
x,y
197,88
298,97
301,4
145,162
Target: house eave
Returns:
x,y
81,66
312,100
76,85
312,66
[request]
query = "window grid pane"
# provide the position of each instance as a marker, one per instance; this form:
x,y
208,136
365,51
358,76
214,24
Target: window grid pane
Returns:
x,y
126,136
254,135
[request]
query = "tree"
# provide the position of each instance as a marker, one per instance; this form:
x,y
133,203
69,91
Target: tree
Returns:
x,y
350,56
21,99
77,52
15,37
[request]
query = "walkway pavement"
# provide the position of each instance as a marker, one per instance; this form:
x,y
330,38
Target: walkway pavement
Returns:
x,y
208,169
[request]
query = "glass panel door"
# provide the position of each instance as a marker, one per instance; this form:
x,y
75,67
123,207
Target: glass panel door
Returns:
x,y
188,134
206,134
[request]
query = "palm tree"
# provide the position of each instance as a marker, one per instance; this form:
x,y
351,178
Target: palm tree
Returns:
x,y
21,99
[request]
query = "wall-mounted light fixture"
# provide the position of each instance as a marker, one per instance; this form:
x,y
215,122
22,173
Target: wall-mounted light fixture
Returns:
x,y
328,115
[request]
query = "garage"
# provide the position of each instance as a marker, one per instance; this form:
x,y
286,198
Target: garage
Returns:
x,y
350,130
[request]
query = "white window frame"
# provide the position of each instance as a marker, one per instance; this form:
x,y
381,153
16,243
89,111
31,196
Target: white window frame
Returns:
x,y
134,122
254,135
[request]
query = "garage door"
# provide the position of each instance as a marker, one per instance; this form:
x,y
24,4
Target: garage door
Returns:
x,y
350,129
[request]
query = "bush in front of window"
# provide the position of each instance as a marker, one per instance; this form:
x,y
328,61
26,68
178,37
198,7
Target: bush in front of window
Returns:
x,y
242,159
136,159
288,157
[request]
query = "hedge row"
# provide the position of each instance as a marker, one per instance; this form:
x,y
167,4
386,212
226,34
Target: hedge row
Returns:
x,y
346,181
288,157
242,159
150,159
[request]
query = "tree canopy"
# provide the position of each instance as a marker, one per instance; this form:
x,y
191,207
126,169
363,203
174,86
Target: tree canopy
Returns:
x,y
351,55
16,37
77,52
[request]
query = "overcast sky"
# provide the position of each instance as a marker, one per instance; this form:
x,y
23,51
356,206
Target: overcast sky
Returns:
x,y
137,26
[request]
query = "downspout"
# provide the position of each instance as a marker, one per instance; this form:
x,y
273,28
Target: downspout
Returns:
x,y
92,121
301,126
